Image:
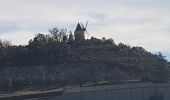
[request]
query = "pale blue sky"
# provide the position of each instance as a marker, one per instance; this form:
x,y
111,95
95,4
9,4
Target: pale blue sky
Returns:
x,y
143,23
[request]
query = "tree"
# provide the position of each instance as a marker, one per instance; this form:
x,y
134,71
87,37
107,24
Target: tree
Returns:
x,y
159,55
108,41
71,37
38,41
54,33
58,34
5,43
65,38
118,75
103,39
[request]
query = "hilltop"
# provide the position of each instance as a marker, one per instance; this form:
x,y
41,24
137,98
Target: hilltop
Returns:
x,y
58,58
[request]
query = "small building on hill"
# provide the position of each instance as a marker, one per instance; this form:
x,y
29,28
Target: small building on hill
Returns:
x,y
79,33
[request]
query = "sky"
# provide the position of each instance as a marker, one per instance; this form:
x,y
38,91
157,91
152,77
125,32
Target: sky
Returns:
x,y
143,23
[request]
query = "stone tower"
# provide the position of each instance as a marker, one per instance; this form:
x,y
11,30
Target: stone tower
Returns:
x,y
79,33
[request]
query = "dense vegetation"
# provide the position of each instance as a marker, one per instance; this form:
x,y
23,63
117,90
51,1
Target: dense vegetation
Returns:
x,y
57,59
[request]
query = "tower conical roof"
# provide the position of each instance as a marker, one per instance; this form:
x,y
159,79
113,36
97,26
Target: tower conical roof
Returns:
x,y
79,28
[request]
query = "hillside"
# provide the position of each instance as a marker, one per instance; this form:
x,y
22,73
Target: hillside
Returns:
x,y
58,59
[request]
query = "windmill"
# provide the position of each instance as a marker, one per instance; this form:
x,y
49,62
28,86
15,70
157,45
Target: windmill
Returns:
x,y
85,27
80,31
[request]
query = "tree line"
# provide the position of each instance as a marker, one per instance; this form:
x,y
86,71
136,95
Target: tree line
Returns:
x,y
58,59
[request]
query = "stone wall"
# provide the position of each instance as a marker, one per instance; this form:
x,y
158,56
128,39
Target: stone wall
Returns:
x,y
142,91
